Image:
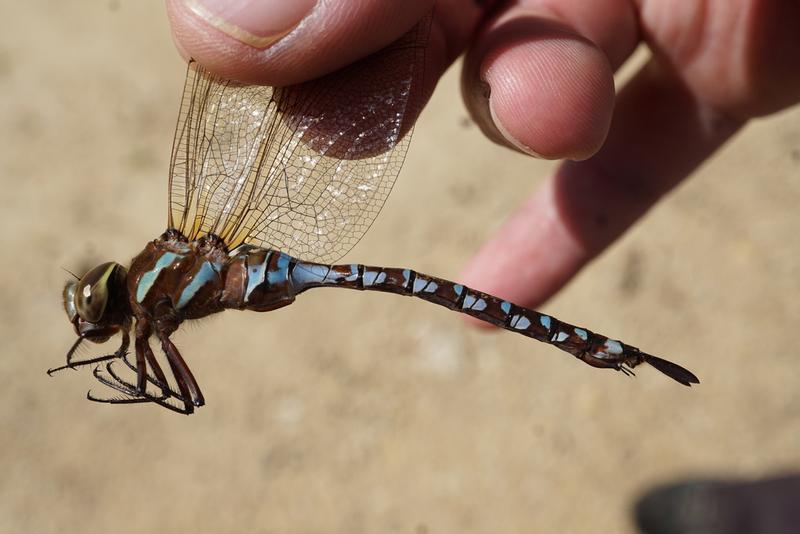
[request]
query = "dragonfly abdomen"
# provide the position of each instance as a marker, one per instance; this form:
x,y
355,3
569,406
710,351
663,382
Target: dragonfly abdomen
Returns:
x,y
593,348
261,279
258,279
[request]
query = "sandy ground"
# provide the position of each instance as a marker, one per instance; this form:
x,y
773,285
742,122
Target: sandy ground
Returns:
x,y
351,412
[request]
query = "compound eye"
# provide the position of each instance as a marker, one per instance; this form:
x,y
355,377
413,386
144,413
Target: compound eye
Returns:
x,y
91,293
69,300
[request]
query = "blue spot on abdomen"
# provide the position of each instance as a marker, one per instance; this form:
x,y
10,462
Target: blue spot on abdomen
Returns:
x,y
255,276
304,274
374,277
281,272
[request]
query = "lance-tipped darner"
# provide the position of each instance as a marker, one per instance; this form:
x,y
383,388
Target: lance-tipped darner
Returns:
x,y
264,183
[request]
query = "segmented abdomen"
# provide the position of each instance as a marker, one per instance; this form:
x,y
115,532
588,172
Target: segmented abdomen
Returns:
x,y
575,340
261,280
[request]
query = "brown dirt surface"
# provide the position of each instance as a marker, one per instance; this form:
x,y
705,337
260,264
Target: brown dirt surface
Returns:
x,y
355,412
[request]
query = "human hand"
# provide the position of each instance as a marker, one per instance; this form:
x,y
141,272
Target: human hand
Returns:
x,y
549,66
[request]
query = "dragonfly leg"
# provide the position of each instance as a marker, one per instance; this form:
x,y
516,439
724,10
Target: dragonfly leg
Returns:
x,y
151,359
119,353
133,388
141,367
144,356
72,350
132,396
190,390
115,382
134,393
160,379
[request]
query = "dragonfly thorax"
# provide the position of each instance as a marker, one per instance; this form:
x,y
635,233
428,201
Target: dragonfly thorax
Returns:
x,y
97,304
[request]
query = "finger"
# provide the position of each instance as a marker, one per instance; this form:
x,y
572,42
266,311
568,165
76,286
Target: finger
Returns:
x,y
659,136
539,77
280,42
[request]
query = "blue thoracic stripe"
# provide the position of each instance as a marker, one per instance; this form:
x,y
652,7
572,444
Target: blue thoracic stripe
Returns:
x,y
148,279
256,275
204,275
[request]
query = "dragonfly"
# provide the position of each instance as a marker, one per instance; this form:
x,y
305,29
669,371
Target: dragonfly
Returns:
x,y
268,188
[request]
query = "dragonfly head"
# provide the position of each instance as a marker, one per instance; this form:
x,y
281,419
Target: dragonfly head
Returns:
x,y
97,304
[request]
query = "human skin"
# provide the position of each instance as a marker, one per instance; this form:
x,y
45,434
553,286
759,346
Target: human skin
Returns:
x,y
538,78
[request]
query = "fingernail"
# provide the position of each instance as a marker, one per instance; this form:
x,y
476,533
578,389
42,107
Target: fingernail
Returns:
x,y
479,97
513,141
510,140
258,23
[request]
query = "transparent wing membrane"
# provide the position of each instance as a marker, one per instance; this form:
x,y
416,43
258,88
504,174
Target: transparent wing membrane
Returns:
x,y
304,169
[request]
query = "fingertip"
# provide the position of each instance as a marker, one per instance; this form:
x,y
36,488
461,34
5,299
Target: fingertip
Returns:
x,y
550,92
552,98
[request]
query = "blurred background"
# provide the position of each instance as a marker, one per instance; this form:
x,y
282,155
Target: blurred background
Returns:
x,y
357,412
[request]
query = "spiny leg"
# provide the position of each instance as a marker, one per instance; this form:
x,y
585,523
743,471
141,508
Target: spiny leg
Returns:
x,y
119,353
179,379
141,368
116,400
132,389
72,350
144,356
159,381
161,400
186,410
190,390
151,359
132,396
116,383
82,363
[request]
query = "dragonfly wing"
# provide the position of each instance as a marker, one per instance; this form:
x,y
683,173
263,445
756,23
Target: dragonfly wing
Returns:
x,y
222,127
304,169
